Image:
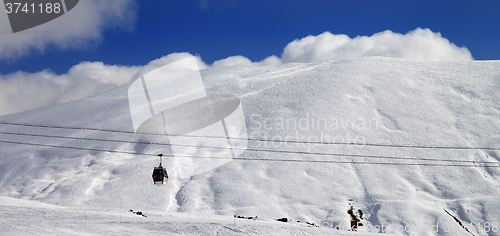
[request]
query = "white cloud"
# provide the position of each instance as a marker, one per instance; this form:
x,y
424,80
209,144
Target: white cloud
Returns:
x,y
234,61
241,61
419,44
82,26
168,59
22,91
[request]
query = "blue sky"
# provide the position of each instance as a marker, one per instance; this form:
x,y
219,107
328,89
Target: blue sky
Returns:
x,y
256,29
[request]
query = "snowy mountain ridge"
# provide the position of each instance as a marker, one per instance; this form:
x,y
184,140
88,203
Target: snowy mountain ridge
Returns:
x,y
366,101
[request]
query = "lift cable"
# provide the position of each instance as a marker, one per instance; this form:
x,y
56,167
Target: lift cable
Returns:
x,y
256,139
474,164
254,149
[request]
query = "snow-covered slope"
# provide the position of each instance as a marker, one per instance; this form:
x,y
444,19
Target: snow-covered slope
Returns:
x,y
367,100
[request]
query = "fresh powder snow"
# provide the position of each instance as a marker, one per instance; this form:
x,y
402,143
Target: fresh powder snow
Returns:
x,y
99,187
